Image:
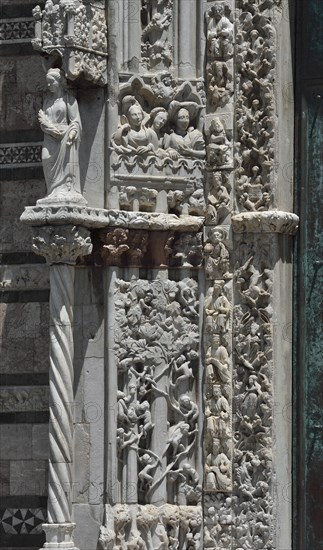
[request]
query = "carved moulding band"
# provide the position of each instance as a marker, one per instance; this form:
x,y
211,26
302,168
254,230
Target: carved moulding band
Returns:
x,y
97,217
275,221
62,245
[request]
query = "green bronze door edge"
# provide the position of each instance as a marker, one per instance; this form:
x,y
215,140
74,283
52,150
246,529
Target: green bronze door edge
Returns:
x,y
308,295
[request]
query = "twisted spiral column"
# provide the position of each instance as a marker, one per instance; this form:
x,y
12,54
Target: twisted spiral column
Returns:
x,y
61,393
61,246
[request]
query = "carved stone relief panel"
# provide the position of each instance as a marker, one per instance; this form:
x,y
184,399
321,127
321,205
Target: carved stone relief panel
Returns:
x,y
158,468
253,392
158,151
124,247
255,106
220,47
157,30
76,32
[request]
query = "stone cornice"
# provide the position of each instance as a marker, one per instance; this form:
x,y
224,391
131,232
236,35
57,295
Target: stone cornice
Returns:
x,y
275,221
92,218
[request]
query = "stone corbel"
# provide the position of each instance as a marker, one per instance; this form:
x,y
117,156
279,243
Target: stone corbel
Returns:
x,y
274,221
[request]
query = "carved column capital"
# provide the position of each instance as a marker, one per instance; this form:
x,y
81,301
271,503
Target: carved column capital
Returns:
x,y
62,244
274,221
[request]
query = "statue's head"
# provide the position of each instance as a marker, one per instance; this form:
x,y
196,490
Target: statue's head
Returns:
x,y
135,115
182,119
133,111
158,117
218,10
55,79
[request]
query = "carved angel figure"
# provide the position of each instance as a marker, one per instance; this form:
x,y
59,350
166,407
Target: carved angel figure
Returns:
x,y
184,140
60,121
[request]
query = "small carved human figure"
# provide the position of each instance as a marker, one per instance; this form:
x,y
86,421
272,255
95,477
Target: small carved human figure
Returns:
x,y
157,120
218,198
115,245
149,463
217,471
61,123
251,396
216,256
177,438
133,136
217,413
219,147
220,33
144,414
217,362
184,140
182,371
219,83
189,410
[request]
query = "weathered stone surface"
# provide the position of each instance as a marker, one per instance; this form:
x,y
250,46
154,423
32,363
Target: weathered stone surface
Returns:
x,y
25,340
21,95
14,196
91,516
190,139
4,477
81,484
40,442
16,441
28,477
93,415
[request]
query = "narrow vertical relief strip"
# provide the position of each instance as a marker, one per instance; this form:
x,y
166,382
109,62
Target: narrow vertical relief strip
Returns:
x,y
217,493
253,390
255,256
255,106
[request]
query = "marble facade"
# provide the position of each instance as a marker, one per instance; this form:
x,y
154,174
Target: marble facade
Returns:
x,y
163,232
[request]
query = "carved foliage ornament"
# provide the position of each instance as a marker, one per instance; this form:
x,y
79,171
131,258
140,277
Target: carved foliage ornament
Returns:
x,y
62,244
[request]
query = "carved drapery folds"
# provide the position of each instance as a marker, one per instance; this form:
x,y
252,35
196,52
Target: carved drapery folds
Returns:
x,y
61,123
75,31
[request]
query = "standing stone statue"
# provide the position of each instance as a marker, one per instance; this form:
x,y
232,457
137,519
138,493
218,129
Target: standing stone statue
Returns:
x,y
60,121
